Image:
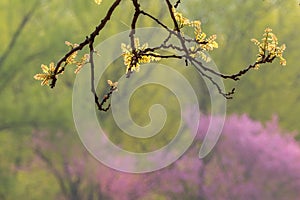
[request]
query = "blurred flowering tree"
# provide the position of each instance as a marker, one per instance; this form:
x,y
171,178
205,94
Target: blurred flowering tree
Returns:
x,y
250,161
134,54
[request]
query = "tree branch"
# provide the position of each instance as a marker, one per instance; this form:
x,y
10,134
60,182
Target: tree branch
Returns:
x,y
88,41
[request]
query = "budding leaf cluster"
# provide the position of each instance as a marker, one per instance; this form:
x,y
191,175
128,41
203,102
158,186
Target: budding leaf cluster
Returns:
x,y
133,58
204,42
49,72
268,49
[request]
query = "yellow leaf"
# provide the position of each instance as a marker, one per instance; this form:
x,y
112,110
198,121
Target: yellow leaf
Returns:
x,y
44,68
98,2
109,82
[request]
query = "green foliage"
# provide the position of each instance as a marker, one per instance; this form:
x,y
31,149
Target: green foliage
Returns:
x,y
271,89
25,106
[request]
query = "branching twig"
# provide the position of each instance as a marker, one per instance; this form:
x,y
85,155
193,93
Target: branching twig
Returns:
x,y
87,41
187,49
177,4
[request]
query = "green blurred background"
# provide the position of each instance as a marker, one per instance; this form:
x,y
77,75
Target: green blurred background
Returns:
x,y
33,32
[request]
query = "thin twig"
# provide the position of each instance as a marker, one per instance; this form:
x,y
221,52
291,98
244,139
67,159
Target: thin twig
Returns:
x,y
87,41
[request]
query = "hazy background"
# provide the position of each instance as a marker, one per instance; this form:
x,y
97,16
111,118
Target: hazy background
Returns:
x,y
41,156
